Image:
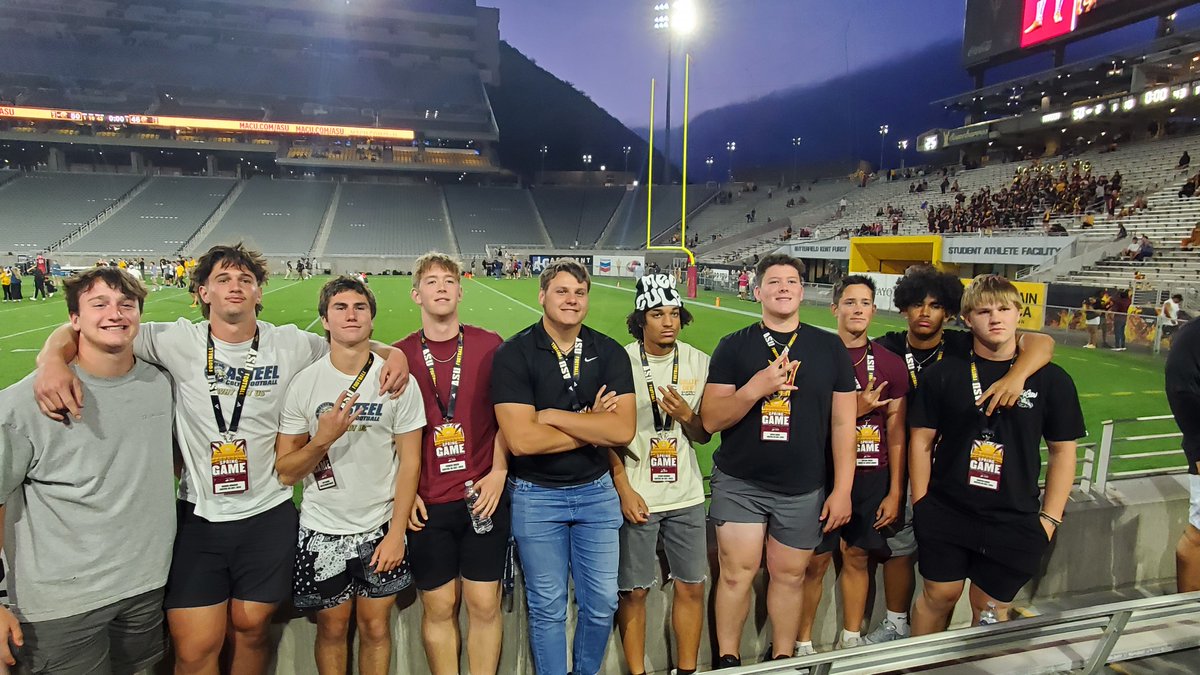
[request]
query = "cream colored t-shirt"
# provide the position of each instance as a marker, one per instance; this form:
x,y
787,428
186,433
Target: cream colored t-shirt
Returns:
x,y
662,488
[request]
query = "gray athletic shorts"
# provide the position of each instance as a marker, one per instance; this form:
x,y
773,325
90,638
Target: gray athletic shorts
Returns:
x,y
124,637
685,541
792,520
903,542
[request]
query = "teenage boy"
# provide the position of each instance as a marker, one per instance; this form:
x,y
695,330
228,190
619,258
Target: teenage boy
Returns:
x,y
450,561
88,506
232,563
548,385
778,391
879,479
976,508
357,453
659,481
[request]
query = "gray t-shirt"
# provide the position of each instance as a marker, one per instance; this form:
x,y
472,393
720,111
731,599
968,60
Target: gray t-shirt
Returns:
x,y
90,505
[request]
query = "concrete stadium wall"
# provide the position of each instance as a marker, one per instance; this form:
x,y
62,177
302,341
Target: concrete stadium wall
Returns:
x,y
1119,541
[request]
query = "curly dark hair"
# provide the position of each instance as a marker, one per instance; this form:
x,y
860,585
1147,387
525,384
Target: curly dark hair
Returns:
x,y
918,284
636,321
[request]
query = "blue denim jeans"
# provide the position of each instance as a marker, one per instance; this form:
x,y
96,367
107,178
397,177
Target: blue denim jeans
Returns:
x,y
560,531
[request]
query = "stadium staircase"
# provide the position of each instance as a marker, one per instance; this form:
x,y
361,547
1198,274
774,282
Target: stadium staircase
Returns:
x,y
537,218
318,247
104,215
213,220
623,212
452,237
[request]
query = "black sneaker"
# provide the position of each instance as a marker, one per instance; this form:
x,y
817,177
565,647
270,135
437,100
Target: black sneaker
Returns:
x,y
728,661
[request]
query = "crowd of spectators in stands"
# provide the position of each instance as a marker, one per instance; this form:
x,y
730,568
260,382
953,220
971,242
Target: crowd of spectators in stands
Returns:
x,y
1044,189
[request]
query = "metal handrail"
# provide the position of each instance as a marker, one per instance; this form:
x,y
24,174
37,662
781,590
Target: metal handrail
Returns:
x,y
1104,624
1108,437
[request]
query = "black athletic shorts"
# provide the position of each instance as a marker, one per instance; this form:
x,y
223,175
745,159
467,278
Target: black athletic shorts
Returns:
x,y
447,547
870,488
998,557
249,559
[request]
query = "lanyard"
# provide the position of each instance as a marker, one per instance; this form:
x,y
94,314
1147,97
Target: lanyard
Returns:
x,y
870,369
977,391
913,368
571,376
362,374
772,343
210,373
659,425
448,407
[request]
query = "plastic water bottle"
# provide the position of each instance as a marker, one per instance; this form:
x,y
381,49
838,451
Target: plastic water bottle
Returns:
x,y
481,524
988,616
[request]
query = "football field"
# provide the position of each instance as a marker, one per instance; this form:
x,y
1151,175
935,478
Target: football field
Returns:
x,y
1111,385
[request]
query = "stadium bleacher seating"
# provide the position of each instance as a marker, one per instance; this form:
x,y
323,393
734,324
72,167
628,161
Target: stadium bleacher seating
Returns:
x,y
388,220
630,232
278,217
488,215
39,209
159,219
576,215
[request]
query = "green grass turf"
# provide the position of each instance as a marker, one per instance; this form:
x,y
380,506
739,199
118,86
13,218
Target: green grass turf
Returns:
x,y
1111,385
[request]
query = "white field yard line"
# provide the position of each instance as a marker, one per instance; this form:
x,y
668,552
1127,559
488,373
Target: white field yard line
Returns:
x,y
511,298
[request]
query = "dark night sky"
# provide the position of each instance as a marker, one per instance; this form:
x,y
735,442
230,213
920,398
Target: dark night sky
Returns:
x,y
743,49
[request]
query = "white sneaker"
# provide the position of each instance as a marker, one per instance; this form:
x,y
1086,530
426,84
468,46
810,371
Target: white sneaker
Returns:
x,y
886,632
1089,346
848,643
804,650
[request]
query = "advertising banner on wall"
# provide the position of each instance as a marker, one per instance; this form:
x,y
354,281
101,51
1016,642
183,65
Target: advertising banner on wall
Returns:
x,y
1033,298
617,265
538,262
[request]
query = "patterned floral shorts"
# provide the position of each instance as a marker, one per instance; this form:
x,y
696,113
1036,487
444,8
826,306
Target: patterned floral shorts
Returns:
x,y
333,568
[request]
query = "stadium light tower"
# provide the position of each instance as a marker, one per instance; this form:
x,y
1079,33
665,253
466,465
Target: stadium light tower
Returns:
x,y
883,132
795,155
673,17
627,149
902,145
542,151
731,146
709,161
587,161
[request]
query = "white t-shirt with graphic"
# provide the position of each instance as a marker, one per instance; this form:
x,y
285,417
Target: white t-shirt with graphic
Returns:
x,y
180,347
364,459
666,490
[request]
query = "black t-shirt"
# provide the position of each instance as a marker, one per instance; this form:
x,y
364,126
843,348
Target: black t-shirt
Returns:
x,y
795,466
1183,388
1048,408
526,370
954,342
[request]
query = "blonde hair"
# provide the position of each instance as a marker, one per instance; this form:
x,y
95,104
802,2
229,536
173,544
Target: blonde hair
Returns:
x,y
990,289
435,259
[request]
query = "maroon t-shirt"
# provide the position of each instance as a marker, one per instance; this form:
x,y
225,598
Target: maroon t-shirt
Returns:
x,y
889,368
441,482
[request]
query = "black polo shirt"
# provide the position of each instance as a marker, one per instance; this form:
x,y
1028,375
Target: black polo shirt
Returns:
x,y
526,370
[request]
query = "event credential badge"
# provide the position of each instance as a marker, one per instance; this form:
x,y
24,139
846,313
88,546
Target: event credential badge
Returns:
x,y
230,468
870,450
987,460
777,417
450,447
664,460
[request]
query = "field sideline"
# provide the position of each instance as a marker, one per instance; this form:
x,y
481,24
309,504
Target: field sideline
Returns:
x,y
1111,385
